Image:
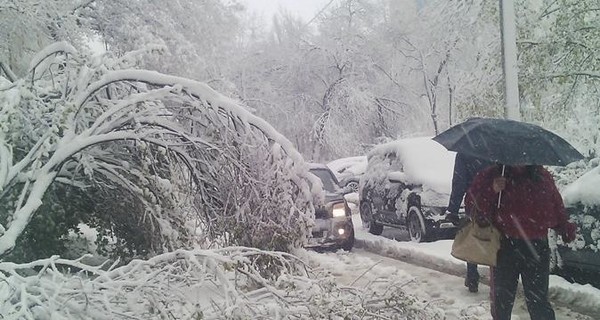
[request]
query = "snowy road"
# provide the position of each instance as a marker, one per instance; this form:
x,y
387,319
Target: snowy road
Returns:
x,y
428,272
437,289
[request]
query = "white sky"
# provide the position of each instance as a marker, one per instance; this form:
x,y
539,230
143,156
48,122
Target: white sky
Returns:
x,y
304,8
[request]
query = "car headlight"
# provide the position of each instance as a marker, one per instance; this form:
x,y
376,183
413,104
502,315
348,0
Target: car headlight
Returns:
x,y
339,210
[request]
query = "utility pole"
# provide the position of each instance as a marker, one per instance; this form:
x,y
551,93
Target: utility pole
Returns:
x,y
510,68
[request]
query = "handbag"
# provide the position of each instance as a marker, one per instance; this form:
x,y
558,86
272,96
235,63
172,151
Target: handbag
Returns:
x,y
476,244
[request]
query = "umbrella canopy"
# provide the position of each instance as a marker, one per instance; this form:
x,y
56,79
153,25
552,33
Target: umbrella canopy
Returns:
x,y
508,142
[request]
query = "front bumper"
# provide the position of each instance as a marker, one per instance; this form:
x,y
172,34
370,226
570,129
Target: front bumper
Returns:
x,y
333,232
435,220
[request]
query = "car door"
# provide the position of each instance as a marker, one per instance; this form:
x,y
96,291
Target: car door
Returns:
x,y
393,190
583,254
376,195
379,185
392,193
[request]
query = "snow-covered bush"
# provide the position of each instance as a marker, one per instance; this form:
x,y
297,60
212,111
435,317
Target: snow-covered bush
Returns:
x,y
158,158
197,284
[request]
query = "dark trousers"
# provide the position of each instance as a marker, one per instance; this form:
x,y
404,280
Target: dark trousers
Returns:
x,y
530,260
472,273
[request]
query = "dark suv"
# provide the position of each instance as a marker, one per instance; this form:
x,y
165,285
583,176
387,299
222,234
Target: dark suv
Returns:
x,y
407,184
333,219
580,259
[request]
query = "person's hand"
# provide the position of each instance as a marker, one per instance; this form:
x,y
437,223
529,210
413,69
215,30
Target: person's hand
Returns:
x,y
499,184
568,232
481,221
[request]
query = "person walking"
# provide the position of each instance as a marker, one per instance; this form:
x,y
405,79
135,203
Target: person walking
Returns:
x,y
523,203
465,169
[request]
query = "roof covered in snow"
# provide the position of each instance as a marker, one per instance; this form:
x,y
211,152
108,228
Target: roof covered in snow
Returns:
x,y
424,161
584,190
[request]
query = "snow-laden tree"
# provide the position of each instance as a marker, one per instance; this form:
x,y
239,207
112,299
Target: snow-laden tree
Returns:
x,y
465,75
445,59
151,159
318,87
199,37
559,63
352,112
374,70
163,161
27,26
274,78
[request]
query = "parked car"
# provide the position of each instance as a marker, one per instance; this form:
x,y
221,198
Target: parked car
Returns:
x,y
333,219
581,258
348,170
407,184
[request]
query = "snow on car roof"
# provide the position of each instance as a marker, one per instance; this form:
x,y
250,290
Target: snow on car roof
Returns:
x,y
584,190
357,165
313,165
425,161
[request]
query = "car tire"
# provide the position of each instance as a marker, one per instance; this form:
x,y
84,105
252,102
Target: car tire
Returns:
x,y
366,215
416,225
353,185
349,244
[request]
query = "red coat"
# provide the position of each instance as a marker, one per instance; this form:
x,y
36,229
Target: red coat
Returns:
x,y
528,208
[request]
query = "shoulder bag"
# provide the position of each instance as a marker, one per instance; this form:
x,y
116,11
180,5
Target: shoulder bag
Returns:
x,y
476,244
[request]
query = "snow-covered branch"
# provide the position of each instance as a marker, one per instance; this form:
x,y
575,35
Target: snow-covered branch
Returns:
x,y
147,124
8,72
55,48
223,283
591,74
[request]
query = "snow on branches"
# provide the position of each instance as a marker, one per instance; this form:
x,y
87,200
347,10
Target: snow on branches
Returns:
x,y
222,283
161,158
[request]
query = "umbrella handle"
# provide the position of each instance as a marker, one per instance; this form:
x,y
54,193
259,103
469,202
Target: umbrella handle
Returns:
x,y
500,193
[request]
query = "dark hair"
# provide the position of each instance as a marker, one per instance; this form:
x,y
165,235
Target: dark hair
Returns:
x,y
533,171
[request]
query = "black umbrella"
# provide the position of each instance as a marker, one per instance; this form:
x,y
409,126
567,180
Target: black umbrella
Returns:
x,y
508,142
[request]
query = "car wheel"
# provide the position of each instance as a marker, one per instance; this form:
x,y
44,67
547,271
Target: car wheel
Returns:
x,y
416,225
366,215
353,185
349,243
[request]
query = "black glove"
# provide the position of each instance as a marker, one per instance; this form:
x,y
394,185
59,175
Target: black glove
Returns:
x,y
481,221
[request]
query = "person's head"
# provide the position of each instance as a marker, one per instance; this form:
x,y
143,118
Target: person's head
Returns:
x,y
531,171
519,170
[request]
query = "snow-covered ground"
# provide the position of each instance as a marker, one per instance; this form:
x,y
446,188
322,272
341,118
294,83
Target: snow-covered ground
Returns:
x,y
429,272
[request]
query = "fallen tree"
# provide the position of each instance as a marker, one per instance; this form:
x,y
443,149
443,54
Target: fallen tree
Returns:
x,y
165,162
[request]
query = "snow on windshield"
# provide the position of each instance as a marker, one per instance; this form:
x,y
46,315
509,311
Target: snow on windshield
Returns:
x,y
326,177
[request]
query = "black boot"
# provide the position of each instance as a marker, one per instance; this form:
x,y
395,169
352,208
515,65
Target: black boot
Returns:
x,y
473,285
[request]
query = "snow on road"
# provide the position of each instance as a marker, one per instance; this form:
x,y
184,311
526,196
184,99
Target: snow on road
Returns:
x,y
433,288
428,272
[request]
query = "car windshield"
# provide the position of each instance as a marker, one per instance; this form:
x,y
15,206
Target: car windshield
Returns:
x,y
329,183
